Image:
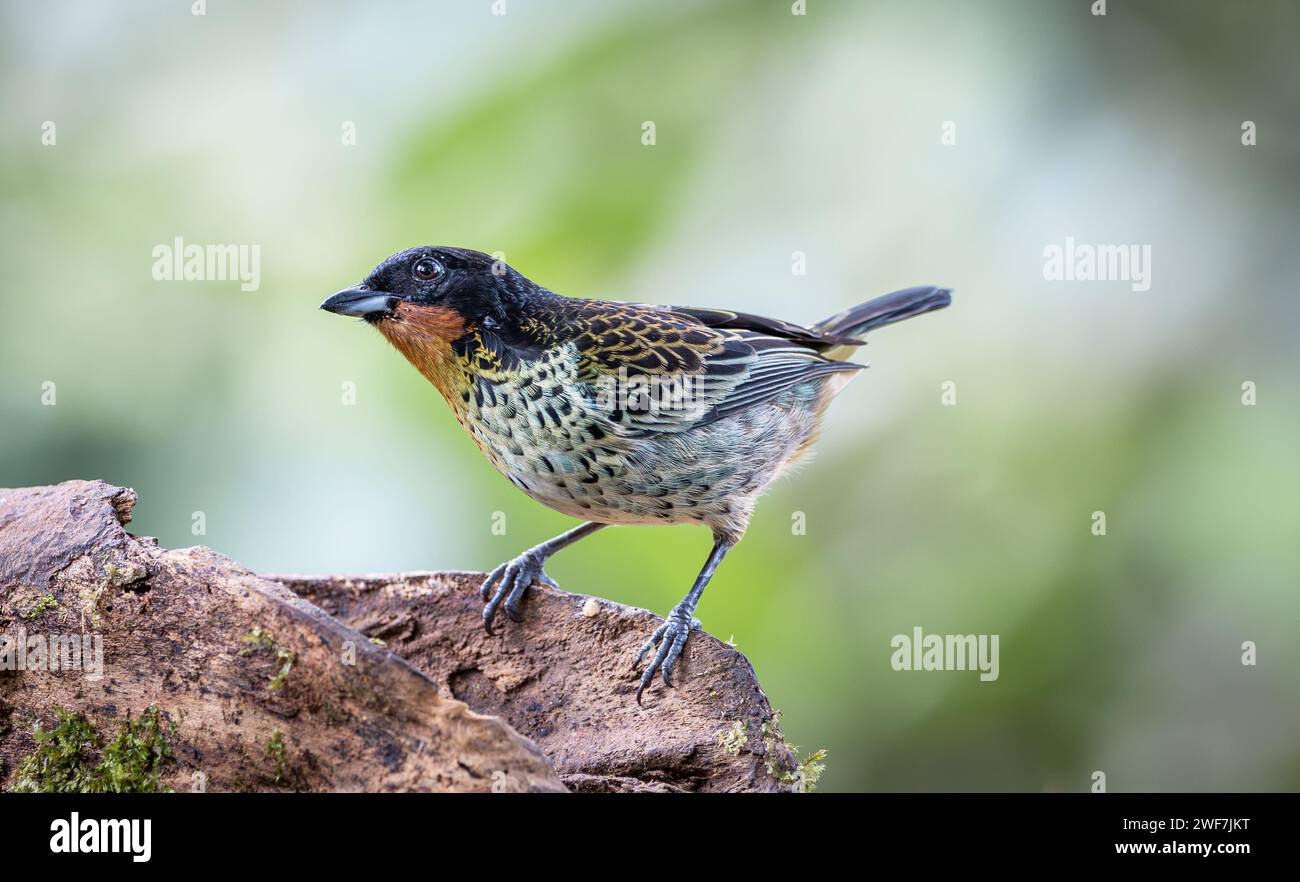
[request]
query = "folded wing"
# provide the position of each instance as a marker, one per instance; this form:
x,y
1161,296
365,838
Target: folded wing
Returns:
x,y
667,369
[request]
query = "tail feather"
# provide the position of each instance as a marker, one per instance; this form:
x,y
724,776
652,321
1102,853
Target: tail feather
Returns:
x,y
856,321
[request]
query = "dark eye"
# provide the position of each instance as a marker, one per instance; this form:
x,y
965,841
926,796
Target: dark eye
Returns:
x,y
427,269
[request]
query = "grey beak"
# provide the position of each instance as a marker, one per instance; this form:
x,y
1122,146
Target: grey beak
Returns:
x,y
359,302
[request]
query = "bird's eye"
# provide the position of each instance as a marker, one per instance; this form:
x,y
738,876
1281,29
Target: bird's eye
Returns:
x,y
426,269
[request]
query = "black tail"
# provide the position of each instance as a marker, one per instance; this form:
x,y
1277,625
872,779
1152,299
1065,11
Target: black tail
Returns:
x,y
858,320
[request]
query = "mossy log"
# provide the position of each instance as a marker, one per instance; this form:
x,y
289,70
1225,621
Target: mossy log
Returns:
x,y
374,683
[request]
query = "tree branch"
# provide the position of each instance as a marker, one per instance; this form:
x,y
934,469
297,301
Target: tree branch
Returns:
x,y
342,683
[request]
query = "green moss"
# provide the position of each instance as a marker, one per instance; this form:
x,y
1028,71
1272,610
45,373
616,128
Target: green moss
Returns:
x,y
132,762
61,762
803,776
275,750
129,574
64,760
809,772
733,739
259,639
256,639
286,659
46,602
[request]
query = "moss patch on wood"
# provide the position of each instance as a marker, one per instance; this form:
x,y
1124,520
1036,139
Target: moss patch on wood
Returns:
x,y
275,750
259,639
68,758
803,776
44,603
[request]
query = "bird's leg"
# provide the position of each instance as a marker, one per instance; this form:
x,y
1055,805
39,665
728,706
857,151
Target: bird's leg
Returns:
x,y
671,636
513,577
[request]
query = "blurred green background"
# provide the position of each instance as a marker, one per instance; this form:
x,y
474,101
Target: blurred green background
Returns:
x,y
775,134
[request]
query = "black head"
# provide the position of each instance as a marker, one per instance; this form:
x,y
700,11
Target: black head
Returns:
x,y
475,285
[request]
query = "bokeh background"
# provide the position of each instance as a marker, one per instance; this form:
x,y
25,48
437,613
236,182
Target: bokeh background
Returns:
x,y
775,134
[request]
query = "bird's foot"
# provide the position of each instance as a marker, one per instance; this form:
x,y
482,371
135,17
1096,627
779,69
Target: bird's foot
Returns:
x,y
670,637
505,586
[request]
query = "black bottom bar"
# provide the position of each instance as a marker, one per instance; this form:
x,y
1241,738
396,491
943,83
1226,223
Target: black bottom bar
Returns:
x,y
272,831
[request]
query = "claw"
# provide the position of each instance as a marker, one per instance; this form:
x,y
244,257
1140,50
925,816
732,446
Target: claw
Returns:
x,y
512,608
670,638
506,585
485,590
650,644
516,594
490,611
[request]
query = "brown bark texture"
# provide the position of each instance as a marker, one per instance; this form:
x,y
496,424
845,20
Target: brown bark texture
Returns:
x,y
339,683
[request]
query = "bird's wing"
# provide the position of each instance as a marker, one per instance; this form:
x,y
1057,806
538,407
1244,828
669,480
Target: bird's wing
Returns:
x,y
654,369
744,321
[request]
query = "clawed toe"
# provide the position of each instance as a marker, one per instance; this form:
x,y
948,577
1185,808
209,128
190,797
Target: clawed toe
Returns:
x,y
485,590
506,585
670,638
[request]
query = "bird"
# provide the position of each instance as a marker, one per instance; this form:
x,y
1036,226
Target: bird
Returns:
x,y
617,413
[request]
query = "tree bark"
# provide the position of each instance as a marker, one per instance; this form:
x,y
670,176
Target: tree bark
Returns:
x,y
374,683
